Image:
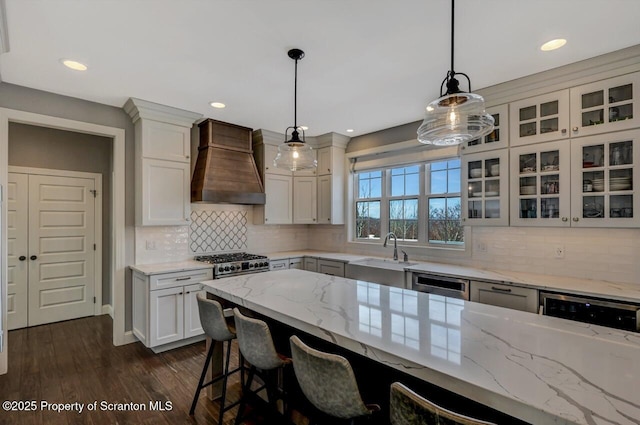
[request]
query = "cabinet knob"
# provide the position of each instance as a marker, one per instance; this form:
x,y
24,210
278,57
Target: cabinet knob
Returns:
x,y
565,219
22,258
266,219
33,257
575,128
329,219
187,156
314,219
563,131
576,219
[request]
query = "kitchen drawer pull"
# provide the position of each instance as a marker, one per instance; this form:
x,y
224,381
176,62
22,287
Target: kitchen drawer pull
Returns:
x,y
494,288
184,278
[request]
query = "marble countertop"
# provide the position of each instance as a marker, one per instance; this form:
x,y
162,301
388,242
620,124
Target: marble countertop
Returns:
x,y
540,369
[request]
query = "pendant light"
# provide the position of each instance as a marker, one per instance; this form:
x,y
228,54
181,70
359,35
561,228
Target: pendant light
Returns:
x,y
456,117
295,154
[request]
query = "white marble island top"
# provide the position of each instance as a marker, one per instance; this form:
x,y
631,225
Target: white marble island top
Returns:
x,y
540,369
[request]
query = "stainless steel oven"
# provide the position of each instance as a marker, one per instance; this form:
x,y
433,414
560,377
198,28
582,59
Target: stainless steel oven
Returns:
x,y
613,314
440,285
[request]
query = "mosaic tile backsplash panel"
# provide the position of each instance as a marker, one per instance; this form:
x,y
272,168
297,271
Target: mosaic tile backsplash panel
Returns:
x,y
216,231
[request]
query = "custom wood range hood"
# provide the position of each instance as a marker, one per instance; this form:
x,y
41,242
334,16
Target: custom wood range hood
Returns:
x,y
226,172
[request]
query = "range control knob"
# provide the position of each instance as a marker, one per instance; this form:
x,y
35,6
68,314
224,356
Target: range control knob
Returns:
x,y
226,268
232,268
250,265
220,269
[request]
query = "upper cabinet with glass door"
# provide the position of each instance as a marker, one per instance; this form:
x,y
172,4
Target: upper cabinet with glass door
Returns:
x,y
485,194
540,193
539,119
605,179
498,138
605,106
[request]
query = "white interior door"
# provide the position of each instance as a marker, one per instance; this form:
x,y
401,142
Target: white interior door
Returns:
x,y
17,263
61,248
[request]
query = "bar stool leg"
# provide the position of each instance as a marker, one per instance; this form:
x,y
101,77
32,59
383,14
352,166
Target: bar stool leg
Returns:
x,y
203,375
224,383
246,388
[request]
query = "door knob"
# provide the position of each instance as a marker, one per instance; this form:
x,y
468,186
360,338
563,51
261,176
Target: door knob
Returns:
x,y
33,257
22,258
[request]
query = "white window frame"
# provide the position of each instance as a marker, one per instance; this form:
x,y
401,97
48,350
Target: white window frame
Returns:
x,y
386,157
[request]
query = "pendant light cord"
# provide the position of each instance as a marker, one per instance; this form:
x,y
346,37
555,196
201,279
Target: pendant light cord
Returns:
x,y
295,98
452,27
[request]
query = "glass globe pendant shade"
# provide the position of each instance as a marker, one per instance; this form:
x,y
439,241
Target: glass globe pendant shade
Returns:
x,y
295,154
454,119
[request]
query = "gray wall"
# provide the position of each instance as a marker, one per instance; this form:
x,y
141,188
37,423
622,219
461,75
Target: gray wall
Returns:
x,y
41,147
388,136
45,103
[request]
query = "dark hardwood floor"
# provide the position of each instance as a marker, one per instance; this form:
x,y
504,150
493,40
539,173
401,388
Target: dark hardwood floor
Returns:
x,y
75,361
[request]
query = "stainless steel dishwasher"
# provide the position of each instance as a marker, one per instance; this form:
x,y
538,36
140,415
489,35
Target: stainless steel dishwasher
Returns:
x,y
440,285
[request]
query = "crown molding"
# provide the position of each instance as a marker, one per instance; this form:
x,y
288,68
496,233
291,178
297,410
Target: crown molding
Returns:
x,y
143,109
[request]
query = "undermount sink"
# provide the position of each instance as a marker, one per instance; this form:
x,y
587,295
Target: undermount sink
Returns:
x,y
377,270
383,263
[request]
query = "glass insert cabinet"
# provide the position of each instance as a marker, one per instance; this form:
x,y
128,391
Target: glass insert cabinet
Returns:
x,y
605,106
539,119
485,188
540,184
498,138
605,180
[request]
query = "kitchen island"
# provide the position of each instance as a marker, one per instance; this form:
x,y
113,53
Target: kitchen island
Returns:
x,y
536,368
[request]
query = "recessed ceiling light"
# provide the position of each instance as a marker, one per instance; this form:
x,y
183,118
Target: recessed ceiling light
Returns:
x,y
553,44
349,130
76,66
218,105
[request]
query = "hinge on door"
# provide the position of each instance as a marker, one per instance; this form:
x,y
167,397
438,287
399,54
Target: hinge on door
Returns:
x,y
94,300
95,192
94,247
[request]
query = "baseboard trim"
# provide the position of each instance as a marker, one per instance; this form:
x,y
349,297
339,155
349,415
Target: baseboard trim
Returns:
x,y
129,338
107,309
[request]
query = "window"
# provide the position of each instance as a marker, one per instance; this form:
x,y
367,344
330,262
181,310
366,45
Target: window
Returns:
x,y
419,203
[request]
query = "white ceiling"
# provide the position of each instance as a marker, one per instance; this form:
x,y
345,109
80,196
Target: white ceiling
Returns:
x,y
369,65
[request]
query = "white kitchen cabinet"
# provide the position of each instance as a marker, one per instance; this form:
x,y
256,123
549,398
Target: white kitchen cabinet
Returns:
x,y
497,139
311,264
508,296
162,162
165,308
305,204
331,182
282,264
296,263
278,208
539,119
164,197
540,184
334,268
584,182
308,171
604,180
485,177
605,106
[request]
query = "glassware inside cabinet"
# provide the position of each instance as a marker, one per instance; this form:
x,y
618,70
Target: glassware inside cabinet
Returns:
x,y
592,156
549,184
593,206
492,209
492,167
593,99
549,108
475,209
528,163
593,181
621,153
528,208
550,208
621,93
492,187
621,206
549,161
475,170
528,186
475,189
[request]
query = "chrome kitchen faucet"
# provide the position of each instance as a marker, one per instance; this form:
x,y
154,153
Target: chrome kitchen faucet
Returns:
x,y
395,244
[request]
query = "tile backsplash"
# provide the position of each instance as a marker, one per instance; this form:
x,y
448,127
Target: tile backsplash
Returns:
x,y
217,231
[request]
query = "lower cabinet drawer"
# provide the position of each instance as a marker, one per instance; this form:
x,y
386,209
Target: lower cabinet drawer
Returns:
x,y
279,264
514,297
170,280
334,268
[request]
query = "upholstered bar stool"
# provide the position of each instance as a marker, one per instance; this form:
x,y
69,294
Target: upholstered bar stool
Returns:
x,y
215,327
328,382
408,408
257,348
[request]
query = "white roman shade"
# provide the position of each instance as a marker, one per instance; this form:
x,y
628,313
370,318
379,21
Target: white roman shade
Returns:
x,y
402,153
